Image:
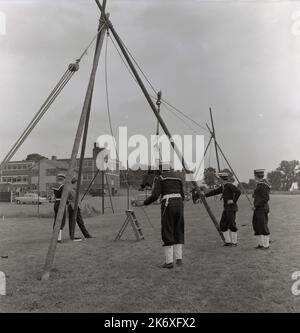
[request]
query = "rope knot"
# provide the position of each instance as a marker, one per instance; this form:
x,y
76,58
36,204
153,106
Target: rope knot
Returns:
x,y
74,67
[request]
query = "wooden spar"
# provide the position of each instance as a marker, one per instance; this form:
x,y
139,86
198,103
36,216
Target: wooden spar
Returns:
x,y
215,140
159,118
70,172
233,172
82,153
99,41
230,167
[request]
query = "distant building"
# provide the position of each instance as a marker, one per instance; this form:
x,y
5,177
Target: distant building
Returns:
x,y
29,176
111,178
43,175
18,175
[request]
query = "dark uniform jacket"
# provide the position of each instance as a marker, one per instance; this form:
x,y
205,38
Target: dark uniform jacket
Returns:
x,y
228,191
167,183
57,190
261,194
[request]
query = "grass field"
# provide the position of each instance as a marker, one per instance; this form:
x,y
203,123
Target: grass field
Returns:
x,y
100,275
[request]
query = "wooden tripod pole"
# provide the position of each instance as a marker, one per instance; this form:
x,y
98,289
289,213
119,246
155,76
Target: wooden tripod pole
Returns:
x,y
62,206
99,43
215,140
231,169
159,118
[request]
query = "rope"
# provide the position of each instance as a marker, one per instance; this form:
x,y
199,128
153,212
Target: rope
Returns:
x,y
46,105
166,104
139,67
180,118
184,115
111,127
72,69
209,158
107,94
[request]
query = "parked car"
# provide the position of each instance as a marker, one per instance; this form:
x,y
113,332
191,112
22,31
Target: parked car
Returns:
x,y
30,198
99,192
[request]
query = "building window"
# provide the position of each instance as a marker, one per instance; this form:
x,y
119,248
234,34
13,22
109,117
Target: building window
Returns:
x,y
87,177
50,172
87,164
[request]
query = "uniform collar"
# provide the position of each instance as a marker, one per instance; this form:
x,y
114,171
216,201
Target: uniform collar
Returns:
x,y
265,182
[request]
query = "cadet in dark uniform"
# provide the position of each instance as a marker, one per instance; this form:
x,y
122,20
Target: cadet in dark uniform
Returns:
x,y
170,188
230,195
261,197
57,190
148,179
79,219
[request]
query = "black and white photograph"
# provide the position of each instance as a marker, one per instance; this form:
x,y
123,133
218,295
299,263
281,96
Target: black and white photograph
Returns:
x,y
149,159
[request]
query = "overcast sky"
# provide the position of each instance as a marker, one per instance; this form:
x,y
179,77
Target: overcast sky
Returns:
x,y
242,58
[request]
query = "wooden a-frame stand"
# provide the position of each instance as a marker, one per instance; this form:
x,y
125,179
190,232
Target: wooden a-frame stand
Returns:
x,y
131,218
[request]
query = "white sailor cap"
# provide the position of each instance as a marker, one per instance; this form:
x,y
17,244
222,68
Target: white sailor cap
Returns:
x,y
61,175
223,175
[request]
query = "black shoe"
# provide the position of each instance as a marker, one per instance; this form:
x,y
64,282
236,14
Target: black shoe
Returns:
x,y
227,244
89,236
165,265
234,244
258,247
179,262
59,242
77,239
265,248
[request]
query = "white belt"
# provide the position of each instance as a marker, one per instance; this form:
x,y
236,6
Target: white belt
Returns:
x,y
170,196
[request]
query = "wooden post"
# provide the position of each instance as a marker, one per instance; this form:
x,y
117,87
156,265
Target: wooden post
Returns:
x,y
99,42
38,206
109,192
215,140
127,177
82,153
231,169
72,165
159,118
102,190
